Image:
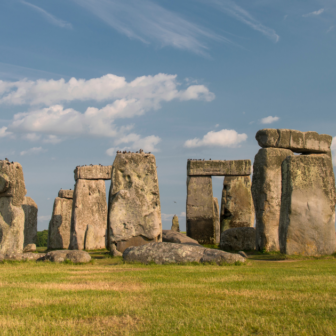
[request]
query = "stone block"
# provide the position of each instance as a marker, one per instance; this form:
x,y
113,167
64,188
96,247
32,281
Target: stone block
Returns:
x,y
66,194
169,236
134,201
218,167
30,227
175,224
307,222
216,219
266,192
89,208
238,238
96,172
299,142
237,209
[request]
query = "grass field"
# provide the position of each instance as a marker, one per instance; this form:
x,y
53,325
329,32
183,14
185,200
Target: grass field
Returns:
x,y
270,295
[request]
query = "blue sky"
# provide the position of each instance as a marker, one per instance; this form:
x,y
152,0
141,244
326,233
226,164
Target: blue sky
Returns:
x,y
81,79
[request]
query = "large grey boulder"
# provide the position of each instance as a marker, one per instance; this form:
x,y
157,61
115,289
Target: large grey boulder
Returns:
x,y
200,210
29,248
237,209
30,226
134,202
169,236
60,224
63,255
266,192
169,253
299,142
89,208
175,224
23,256
237,239
93,172
307,222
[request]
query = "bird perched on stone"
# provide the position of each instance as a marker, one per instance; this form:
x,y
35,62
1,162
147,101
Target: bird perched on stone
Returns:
x,y
6,159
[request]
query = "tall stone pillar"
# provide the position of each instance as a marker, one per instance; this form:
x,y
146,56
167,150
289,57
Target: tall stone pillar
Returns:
x,y
30,228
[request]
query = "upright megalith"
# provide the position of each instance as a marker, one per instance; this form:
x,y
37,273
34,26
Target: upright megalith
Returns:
x,y
237,209
216,219
266,192
175,224
307,221
60,222
89,208
12,217
134,202
30,227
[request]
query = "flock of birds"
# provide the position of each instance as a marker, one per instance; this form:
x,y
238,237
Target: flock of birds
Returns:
x,y
8,160
125,152
197,159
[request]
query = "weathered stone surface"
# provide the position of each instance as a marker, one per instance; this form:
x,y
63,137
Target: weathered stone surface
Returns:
x,y
89,208
12,182
238,238
29,248
66,193
12,220
96,172
299,142
266,192
74,256
30,226
60,224
90,238
218,167
114,252
168,253
237,209
216,218
134,202
307,222
175,224
2,257
24,256
200,209
169,236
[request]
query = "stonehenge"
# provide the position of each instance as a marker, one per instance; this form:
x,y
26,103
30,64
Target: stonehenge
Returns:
x,y
60,222
30,227
238,239
175,224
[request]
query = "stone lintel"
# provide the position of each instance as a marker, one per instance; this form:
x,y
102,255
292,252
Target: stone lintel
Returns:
x,y
96,172
218,168
66,193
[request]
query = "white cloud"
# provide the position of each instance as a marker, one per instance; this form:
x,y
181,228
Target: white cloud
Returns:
x,y
31,136
149,22
223,138
4,133
53,139
169,217
217,125
43,218
231,8
33,151
49,17
269,120
316,13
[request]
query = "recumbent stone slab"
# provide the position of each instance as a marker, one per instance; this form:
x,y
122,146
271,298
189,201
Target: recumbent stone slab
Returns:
x,y
94,172
66,193
30,227
218,167
169,236
307,222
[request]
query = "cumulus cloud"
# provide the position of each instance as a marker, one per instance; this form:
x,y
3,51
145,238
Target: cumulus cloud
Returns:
x,y
223,138
4,132
52,139
43,218
33,151
169,217
315,13
269,120
31,136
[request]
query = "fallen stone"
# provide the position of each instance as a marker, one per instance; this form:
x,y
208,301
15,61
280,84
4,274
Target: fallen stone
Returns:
x,y
29,248
63,255
134,202
170,253
307,222
60,224
24,256
66,193
266,192
299,142
237,239
237,209
200,210
218,168
169,236
216,218
30,226
95,172
175,224
89,208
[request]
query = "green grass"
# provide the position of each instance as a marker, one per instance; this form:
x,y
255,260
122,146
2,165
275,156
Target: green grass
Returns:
x,y
108,297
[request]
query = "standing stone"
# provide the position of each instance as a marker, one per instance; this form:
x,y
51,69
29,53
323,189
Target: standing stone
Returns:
x,y
90,238
200,209
134,202
216,220
238,238
237,208
266,192
30,227
175,224
60,223
89,208
307,223
12,217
